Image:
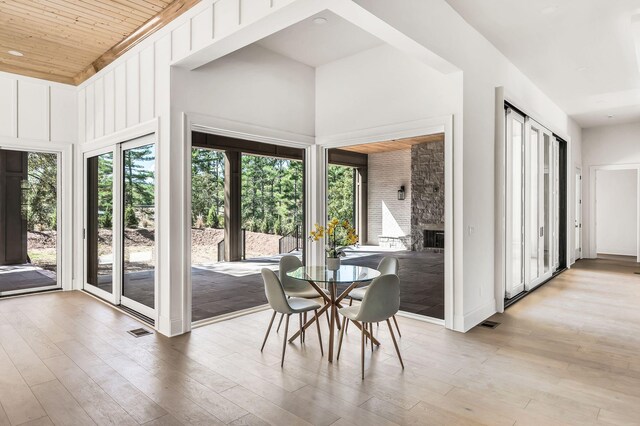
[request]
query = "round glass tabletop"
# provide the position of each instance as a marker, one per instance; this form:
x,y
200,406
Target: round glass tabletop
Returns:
x,y
346,274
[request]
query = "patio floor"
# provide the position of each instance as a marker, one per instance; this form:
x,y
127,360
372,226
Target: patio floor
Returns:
x,y
23,277
226,287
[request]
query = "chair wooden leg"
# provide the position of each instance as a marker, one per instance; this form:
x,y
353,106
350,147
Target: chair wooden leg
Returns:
x,y
301,331
395,343
371,331
280,323
319,335
362,351
395,321
328,320
304,332
268,330
284,344
346,321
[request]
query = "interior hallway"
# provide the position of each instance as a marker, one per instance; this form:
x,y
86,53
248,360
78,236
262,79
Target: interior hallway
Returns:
x,y
567,353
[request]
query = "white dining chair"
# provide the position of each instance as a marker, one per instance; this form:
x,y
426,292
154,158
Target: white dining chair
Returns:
x,y
380,302
388,266
293,287
281,304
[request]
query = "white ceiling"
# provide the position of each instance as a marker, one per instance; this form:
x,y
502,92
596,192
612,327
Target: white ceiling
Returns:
x,y
579,52
318,44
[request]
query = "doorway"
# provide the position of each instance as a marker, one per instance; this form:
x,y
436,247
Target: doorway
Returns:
x,y
616,221
393,192
119,225
247,211
29,212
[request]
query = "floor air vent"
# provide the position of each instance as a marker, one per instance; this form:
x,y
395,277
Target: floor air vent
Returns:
x,y
490,324
139,332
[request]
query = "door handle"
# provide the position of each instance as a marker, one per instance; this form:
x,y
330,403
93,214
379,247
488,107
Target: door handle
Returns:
x,y
542,231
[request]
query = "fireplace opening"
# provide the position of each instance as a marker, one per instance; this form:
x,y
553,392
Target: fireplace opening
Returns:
x,y
433,239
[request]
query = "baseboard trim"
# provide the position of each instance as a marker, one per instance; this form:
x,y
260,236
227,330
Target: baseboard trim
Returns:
x,y
475,317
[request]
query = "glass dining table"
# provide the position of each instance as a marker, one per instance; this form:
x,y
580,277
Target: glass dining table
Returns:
x,y
321,278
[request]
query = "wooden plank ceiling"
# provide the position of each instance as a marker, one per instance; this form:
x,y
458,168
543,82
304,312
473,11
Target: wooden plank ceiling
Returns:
x,y
394,145
70,40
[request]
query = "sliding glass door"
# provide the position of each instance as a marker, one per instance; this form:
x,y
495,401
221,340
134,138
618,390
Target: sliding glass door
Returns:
x,y
119,227
138,236
532,203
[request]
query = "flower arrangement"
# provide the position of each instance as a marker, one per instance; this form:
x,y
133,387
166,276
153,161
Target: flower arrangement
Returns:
x,y
339,236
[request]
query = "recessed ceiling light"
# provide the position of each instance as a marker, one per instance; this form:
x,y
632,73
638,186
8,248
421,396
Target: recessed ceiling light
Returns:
x,y
549,10
582,69
610,116
320,20
15,53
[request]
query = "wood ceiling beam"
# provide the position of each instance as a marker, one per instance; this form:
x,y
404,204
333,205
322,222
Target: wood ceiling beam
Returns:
x,y
171,12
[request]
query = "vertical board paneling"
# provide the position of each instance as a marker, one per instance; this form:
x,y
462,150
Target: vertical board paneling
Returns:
x,y
226,17
121,96
90,112
109,103
250,10
82,115
147,85
64,114
133,90
202,28
8,107
33,110
99,108
181,41
162,74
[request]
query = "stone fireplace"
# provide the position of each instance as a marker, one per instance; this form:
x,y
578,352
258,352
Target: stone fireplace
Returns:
x,y
427,195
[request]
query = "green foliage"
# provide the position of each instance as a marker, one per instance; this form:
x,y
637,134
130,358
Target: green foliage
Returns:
x,y
341,181
40,194
139,183
207,183
272,191
130,219
105,190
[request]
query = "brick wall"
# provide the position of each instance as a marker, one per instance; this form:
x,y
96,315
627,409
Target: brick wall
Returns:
x,y
389,216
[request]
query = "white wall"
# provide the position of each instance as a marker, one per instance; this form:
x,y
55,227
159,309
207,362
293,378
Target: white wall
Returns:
x,y
377,87
37,110
388,216
435,25
253,85
616,145
617,212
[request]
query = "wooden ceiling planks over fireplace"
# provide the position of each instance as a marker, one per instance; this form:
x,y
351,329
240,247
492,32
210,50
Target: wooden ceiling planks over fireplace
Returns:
x,y
393,145
69,40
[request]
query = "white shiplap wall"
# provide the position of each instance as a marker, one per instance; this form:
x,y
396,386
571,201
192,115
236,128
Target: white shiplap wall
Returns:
x,y
128,91
37,110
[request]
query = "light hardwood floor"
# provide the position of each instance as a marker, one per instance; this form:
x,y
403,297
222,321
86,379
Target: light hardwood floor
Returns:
x,y
567,354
